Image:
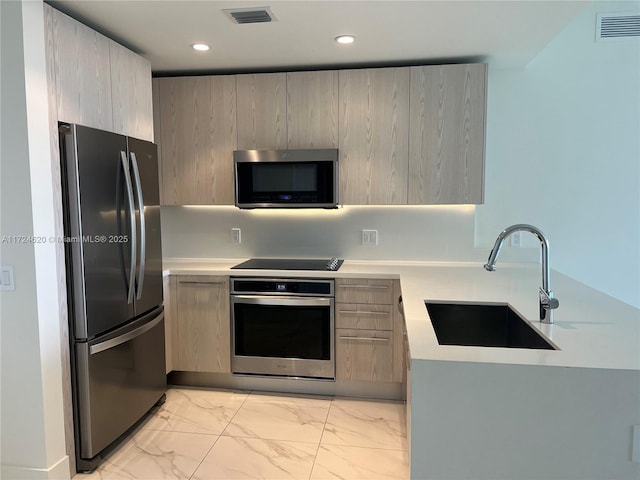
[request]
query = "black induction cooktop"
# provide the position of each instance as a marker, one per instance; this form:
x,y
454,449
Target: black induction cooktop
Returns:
x,y
332,264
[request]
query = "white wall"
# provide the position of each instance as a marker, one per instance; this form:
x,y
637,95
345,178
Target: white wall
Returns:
x,y
31,416
563,153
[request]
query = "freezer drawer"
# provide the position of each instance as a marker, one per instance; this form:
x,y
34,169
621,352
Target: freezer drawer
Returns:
x,y
119,377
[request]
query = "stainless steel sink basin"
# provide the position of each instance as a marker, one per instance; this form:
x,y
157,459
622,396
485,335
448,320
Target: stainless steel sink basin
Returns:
x,y
483,325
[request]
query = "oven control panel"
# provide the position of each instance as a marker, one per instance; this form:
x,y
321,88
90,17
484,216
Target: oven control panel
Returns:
x,y
282,286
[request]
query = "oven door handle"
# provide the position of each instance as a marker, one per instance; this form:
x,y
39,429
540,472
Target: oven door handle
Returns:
x,y
286,301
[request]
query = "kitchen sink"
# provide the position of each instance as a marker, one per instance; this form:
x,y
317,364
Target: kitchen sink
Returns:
x,y
483,325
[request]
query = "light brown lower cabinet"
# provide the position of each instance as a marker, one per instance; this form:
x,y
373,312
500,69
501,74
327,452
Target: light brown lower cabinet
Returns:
x,y
369,344
365,290
200,338
365,355
369,338
364,316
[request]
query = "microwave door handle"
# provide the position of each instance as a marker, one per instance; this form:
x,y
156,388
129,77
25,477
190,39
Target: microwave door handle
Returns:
x,y
143,233
132,219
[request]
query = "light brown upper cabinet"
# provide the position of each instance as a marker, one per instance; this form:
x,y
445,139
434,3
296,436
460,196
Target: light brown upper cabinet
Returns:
x,y
82,72
131,93
98,83
155,94
406,135
374,129
312,109
198,136
262,111
447,134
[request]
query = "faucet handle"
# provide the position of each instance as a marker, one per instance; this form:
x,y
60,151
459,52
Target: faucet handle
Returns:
x,y
547,305
547,300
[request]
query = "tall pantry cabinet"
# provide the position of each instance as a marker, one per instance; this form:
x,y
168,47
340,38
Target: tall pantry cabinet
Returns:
x,y
91,81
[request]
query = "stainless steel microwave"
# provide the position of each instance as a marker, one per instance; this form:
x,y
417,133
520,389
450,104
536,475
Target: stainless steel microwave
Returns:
x,y
286,178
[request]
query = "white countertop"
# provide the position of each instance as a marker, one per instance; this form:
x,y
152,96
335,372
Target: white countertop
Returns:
x,y
591,329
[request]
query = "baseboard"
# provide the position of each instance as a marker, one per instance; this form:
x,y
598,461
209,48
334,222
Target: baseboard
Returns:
x,y
58,471
379,390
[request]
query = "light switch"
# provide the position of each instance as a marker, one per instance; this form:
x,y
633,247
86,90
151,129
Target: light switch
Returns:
x,y
6,278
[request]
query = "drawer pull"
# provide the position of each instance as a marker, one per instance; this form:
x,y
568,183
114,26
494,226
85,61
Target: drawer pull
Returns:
x,y
365,286
373,339
361,312
201,283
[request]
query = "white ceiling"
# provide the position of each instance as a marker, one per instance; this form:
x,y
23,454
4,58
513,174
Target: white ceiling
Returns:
x,y
506,33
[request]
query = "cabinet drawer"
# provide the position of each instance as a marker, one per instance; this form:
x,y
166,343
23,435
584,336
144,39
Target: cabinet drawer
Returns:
x,y
364,316
364,355
361,290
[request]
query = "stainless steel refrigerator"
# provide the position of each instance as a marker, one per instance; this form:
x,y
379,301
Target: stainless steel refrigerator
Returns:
x,y
114,284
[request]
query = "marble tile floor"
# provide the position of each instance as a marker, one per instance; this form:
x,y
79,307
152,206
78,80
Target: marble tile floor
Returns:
x,y
206,434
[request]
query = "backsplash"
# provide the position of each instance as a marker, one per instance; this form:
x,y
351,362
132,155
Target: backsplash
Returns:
x,y
426,233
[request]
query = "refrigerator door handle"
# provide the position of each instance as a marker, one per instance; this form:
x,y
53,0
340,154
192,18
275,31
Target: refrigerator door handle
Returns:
x,y
114,342
132,215
143,235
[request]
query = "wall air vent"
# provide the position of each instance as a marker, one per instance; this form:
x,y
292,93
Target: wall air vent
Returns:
x,y
616,26
250,15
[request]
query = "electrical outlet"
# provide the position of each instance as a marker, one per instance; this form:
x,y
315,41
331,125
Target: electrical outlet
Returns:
x,y
516,239
369,237
236,235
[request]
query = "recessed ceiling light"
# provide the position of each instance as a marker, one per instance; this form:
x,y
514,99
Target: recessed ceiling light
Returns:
x,y
345,39
201,47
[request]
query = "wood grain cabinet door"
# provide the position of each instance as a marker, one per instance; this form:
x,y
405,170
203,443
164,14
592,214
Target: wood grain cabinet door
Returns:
x,y
201,338
365,290
312,109
131,93
374,128
364,316
365,355
447,134
197,118
262,111
82,71
98,83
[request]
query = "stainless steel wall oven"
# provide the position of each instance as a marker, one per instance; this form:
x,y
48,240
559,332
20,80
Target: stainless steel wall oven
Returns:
x,y
283,327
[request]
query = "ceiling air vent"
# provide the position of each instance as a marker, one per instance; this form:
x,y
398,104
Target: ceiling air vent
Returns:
x,y
250,15
615,26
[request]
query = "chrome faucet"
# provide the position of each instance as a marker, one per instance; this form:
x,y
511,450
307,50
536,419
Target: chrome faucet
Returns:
x,y
547,303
